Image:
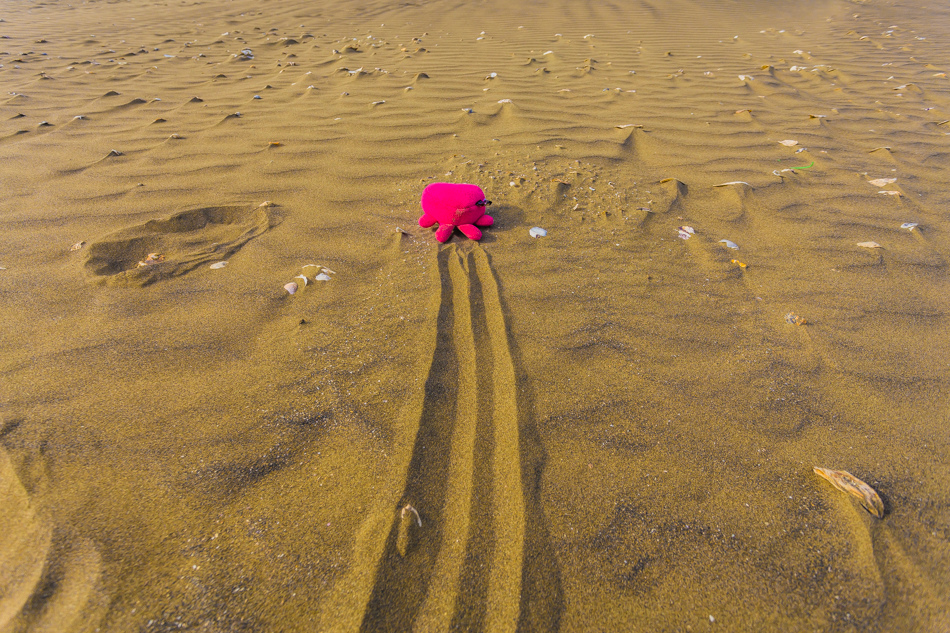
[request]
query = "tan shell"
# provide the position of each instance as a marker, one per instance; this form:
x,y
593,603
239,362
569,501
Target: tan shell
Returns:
x,y
846,482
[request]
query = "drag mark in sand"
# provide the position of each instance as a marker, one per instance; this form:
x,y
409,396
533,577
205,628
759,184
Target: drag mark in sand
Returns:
x,y
464,567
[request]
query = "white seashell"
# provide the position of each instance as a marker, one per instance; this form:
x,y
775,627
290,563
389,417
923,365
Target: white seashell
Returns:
x,y
789,142
746,78
303,278
881,182
491,75
217,265
869,244
733,182
291,288
890,193
322,277
910,226
730,244
537,231
505,101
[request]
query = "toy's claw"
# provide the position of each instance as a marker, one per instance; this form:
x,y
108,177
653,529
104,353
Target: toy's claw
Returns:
x,y
426,221
444,232
470,231
485,220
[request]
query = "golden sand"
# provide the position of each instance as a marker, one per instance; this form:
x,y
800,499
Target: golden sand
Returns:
x,y
608,428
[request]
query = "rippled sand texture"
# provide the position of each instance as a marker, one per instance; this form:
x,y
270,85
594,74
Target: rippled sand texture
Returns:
x,y
605,429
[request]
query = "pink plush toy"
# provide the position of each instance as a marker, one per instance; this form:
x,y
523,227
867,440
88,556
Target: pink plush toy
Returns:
x,y
453,206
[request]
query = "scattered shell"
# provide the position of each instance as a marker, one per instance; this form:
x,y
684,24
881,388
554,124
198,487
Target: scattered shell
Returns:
x,y
746,78
626,125
789,142
152,259
846,482
738,263
505,101
291,288
78,245
869,245
406,528
537,231
730,244
910,226
891,193
793,319
322,277
491,75
275,144
881,182
686,232
266,203
733,182
303,278
217,265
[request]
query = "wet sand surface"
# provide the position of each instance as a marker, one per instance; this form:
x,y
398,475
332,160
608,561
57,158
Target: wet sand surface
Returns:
x,y
609,428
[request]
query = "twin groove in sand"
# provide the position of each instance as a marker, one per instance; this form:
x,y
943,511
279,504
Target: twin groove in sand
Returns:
x,y
464,568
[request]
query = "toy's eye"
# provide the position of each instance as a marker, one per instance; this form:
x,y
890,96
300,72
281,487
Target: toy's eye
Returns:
x,y
483,203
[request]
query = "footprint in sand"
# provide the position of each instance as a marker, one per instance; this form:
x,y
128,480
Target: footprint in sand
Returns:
x,y
162,249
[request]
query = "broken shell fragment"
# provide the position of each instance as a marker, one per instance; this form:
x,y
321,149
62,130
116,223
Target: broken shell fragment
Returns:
x,y
152,259
869,245
730,244
793,319
537,231
217,265
303,279
686,232
738,263
78,245
910,226
846,482
789,143
409,522
881,182
291,288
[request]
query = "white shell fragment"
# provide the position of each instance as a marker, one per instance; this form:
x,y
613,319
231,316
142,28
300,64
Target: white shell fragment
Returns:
x,y
322,277
291,288
910,226
733,182
217,265
730,244
303,278
537,231
686,232
869,245
890,193
77,246
789,142
881,182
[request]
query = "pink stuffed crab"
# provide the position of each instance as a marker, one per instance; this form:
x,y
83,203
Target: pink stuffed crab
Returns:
x,y
454,206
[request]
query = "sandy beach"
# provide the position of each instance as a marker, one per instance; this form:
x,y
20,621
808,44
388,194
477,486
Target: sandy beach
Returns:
x,y
612,427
